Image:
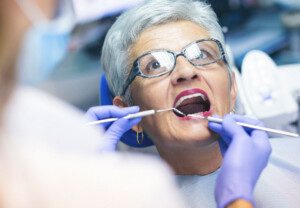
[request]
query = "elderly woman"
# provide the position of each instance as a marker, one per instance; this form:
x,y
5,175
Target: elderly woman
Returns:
x,y
171,54
168,54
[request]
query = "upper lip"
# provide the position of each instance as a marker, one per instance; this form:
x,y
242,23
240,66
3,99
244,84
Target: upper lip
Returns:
x,y
190,92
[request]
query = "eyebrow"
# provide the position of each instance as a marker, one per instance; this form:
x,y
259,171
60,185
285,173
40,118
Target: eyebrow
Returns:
x,y
182,49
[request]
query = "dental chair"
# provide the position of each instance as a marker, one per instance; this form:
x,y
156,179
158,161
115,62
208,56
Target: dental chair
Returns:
x,y
266,94
290,75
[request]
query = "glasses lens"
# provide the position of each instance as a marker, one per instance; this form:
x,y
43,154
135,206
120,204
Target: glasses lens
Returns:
x,y
203,53
156,63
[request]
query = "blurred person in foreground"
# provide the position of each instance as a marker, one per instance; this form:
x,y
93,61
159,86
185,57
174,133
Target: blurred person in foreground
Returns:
x,y
48,158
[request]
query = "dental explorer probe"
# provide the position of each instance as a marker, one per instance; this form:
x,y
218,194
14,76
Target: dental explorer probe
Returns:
x,y
219,120
133,115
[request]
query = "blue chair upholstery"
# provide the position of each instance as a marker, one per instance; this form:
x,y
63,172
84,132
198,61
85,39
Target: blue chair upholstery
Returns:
x,y
129,137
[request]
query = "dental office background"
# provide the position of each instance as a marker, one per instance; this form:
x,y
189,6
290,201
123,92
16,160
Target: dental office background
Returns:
x,y
263,42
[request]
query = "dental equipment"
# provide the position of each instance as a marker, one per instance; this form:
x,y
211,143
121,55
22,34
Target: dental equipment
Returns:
x,y
134,115
219,120
266,91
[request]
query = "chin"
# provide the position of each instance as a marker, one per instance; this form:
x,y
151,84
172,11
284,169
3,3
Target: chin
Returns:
x,y
198,137
204,138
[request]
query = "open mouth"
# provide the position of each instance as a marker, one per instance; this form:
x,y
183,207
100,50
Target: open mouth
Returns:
x,y
194,101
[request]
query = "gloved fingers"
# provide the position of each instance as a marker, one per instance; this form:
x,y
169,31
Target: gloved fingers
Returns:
x,y
230,127
119,127
216,127
223,145
261,140
90,114
256,134
99,112
133,122
109,111
120,112
115,132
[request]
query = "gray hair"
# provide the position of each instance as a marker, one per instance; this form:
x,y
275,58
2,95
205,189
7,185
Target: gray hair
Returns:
x,y
126,30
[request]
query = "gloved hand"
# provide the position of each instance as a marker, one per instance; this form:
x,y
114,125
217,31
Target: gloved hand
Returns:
x,y
245,154
114,130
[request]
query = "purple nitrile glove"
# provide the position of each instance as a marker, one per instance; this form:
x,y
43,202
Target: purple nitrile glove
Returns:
x,y
114,130
245,155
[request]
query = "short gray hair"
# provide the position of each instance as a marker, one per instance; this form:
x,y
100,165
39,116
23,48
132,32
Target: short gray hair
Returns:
x,y
126,30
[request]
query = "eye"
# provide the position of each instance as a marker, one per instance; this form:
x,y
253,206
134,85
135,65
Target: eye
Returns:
x,y
156,62
202,55
152,66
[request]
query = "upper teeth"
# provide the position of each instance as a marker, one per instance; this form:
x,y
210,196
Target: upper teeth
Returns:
x,y
188,97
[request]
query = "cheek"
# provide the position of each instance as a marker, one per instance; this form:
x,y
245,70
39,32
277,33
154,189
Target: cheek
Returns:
x,y
149,94
153,94
220,87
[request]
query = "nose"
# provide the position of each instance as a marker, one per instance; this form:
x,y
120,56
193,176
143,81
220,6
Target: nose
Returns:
x,y
184,71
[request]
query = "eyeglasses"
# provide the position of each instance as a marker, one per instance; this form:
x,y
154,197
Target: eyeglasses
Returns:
x,y
159,62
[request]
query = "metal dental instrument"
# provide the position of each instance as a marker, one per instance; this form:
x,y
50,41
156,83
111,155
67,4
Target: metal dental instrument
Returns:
x,y
219,120
134,115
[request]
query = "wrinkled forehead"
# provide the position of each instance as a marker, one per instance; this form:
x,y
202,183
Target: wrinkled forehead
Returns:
x,y
172,36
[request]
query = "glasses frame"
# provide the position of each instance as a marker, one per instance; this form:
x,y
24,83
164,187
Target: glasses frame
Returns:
x,y
135,70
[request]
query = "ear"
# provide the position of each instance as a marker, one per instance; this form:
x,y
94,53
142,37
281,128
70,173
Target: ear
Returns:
x,y
118,101
233,90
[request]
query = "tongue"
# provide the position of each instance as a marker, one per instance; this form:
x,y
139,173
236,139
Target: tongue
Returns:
x,y
192,108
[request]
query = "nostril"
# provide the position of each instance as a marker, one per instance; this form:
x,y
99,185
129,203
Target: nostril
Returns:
x,y
195,76
180,80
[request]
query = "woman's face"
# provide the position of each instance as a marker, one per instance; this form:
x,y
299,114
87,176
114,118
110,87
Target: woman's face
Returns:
x,y
203,90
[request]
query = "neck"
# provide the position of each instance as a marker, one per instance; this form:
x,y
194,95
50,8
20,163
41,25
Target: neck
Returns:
x,y
192,160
